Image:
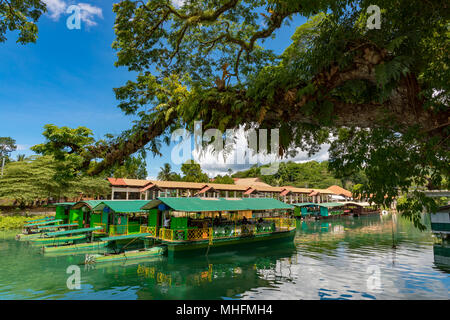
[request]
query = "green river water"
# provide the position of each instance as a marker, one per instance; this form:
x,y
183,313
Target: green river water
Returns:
x,y
349,258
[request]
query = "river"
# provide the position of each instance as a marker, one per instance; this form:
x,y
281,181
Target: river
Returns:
x,y
348,258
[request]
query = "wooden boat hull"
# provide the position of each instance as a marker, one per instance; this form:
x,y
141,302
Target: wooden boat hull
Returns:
x,y
129,255
27,237
175,247
71,248
55,240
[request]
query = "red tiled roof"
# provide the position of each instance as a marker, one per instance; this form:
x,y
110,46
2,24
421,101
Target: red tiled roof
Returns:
x,y
149,186
205,189
284,192
340,191
249,191
117,181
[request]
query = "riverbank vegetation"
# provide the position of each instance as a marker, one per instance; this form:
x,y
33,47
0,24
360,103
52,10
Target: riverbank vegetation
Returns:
x,y
8,222
39,178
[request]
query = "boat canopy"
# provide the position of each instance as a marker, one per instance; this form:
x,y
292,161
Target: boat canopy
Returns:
x,y
323,204
330,204
42,219
59,226
359,204
81,230
305,204
63,204
43,223
195,204
86,203
127,236
122,206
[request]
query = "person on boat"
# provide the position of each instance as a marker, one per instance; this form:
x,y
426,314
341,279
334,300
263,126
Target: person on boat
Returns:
x,y
166,222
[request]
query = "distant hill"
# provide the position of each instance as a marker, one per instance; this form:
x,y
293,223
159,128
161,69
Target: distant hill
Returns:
x,y
310,174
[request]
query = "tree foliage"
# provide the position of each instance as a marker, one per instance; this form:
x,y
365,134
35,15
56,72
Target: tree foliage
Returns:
x,y
311,174
166,174
21,16
223,179
7,145
38,178
192,172
378,96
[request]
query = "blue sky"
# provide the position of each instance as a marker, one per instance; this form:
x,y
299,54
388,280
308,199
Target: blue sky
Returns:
x,y
67,78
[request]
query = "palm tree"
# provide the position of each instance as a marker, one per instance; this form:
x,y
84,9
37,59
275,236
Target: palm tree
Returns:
x,y
21,157
165,173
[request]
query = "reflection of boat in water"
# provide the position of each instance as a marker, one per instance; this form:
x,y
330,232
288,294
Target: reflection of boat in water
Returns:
x,y
227,274
440,222
442,256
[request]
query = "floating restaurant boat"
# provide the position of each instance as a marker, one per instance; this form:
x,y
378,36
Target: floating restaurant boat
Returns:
x,y
332,209
185,224
178,224
440,222
319,210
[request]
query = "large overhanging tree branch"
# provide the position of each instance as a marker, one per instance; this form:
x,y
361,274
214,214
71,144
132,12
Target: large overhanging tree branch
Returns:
x,y
20,15
387,88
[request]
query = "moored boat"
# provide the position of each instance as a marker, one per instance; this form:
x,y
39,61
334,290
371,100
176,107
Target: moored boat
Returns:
x,y
64,237
125,256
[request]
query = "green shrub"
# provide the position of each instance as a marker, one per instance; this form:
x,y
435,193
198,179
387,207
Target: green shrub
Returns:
x,y
15,222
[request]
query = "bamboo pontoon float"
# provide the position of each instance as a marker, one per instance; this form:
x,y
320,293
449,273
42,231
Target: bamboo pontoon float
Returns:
x,y
64,237
32,230
186,224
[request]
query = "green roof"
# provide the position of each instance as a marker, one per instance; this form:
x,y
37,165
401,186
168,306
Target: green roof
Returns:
x,y
330,204
122,206
323,204
65,204
89,203
195,204
305,204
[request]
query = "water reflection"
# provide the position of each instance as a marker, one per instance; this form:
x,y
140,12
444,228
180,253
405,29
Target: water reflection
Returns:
x,y
329,259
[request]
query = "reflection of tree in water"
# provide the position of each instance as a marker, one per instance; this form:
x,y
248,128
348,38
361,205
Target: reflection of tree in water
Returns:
x,y
326,236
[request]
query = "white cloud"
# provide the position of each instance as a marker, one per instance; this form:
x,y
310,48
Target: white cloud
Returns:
x,y
178,3
88,12
21,147
238,159
55,8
